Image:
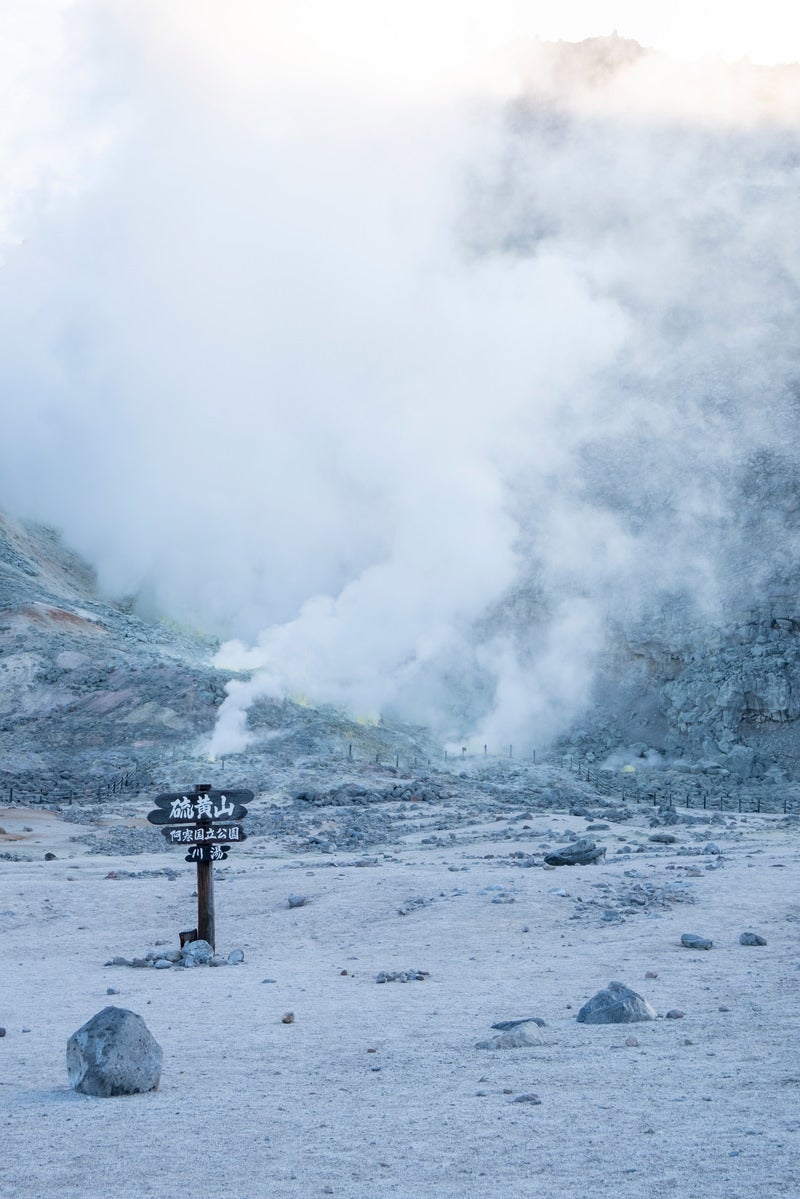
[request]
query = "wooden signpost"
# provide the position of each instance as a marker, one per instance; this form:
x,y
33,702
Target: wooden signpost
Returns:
x,y
202,822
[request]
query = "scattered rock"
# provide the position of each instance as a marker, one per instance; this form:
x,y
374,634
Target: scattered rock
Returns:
x,y
162,964
287,1018
2,1032
617,1004
297,901
675,1013
693,941
411,905
50,857
651,974
402,976
235,957
752,939
112,991
580,853
114,1053
520,1036
663,838
528,1097
632,1042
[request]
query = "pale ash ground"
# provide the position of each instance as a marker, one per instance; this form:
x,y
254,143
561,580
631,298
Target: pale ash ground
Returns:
x,y
704,1108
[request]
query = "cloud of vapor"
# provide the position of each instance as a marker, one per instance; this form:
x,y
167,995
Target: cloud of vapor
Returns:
x,y
413,399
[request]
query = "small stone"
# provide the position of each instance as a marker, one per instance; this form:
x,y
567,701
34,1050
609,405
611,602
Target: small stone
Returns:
x,y
199,951
617,1004
140,963
580,853
297,901
117,961
162,964
2,1032
189,963
218,960
287,1018
752,939
651,974
675,1013
693,941
632,1042
50,857
235,957
664,838
173,955
528,1097
112,991
519,1036
723,1008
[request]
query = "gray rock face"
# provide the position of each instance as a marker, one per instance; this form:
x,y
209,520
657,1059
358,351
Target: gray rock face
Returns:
x,y
579,853
617,1004
114,1053
693,941
752,939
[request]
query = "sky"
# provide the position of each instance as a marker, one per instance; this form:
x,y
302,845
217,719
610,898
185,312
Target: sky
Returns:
x,y
405,353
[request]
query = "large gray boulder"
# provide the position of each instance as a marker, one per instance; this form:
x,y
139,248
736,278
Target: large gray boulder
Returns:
x,y
617,1004
114,1053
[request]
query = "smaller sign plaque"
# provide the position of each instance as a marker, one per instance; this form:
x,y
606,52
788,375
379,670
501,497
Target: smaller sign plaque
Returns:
x,y
207,853
204,834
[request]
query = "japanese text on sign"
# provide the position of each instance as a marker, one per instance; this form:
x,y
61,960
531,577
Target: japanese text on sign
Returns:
x,y
198,836
200,807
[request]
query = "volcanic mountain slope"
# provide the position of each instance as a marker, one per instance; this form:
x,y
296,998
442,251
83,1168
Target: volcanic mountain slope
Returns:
x,y
92,697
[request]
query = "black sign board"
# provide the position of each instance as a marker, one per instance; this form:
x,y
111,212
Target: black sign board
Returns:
x,y
204,834
180,807
207,853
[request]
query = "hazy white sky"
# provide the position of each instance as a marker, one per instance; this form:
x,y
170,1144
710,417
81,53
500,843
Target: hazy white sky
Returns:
x,y
424,44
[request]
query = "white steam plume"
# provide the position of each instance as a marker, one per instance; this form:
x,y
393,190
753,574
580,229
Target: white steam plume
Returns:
x,y
412,397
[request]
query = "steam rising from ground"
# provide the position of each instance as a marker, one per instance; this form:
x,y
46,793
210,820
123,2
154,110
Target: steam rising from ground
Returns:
x,y
415,400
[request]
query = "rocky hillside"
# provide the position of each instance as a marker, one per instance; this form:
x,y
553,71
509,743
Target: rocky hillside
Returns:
x,y
94,699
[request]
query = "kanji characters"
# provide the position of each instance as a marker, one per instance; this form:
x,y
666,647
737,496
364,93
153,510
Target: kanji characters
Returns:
x,y
182,808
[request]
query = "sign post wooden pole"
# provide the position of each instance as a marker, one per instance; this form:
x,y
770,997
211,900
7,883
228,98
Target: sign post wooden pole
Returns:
x,y
205,889
203,824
